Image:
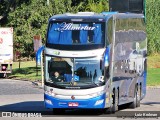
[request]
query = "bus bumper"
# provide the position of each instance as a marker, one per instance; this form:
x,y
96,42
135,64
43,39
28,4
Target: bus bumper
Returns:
x,y
96,102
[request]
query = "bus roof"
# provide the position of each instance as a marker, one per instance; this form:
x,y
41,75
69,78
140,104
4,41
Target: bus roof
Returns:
x,y
81,16
91,16
128,15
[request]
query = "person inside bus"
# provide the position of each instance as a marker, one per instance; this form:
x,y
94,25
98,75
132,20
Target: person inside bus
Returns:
x,y
75,41
57,77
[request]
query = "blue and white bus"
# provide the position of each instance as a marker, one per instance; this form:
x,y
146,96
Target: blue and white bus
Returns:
x,y
95,61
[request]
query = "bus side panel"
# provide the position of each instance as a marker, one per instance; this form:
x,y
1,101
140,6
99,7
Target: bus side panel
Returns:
x,y
129,62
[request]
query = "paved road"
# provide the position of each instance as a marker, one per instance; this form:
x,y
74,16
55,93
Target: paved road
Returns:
x,y
23,96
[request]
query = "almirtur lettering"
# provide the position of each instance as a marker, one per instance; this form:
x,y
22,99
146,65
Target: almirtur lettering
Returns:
x,y
69,26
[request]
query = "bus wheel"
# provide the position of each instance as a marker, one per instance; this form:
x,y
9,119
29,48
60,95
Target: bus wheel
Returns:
x,y
136,101
115,101
58,111
114,106
138,96
108,110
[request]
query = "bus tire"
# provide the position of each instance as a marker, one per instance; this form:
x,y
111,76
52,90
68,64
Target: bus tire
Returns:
x,y
114,106
108,110
115,101
138,96
58,111
136,101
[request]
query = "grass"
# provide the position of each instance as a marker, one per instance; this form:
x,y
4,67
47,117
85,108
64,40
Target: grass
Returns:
x,y
28,71
153,77
154,61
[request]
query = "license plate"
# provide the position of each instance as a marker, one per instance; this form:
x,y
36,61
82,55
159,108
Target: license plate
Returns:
x,y
73,104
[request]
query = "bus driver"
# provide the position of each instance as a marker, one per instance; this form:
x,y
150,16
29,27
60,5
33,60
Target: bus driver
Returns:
x,y
56,77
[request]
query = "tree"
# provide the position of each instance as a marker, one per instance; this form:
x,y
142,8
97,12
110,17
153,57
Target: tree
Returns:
x,y
31,18
98,6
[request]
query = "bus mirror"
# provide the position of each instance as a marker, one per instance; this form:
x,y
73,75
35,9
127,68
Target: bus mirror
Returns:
x,y
101,64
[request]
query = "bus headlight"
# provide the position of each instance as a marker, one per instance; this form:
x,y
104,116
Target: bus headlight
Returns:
x,y
97,94
48,101
50,93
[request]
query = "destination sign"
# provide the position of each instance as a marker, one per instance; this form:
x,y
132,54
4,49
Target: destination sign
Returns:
x,y
71,26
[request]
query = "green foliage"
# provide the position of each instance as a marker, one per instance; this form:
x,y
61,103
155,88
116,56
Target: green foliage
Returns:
x,y
153,26
27,71
31,19
27,22
98,6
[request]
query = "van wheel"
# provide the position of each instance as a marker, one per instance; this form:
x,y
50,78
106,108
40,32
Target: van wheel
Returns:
x,y
5,75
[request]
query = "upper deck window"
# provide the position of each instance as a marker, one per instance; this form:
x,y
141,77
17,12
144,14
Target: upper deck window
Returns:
x,y
67,33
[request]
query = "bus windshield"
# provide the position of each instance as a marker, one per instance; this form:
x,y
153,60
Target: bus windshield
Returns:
x,y
76,33
67,72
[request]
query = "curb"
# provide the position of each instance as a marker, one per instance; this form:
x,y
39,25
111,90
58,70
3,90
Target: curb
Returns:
x,y
153,87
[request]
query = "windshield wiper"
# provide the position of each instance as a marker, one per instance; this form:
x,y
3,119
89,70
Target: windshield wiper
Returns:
x,y
96,84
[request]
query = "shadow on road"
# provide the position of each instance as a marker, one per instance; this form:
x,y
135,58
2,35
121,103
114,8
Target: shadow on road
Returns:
x,y
26,107
151,103
38,107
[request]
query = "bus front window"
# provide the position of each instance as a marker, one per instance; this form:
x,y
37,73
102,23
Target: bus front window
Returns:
x,y
82,72
75,33
89,71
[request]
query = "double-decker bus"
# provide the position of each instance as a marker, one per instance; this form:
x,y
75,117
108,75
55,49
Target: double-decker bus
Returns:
x,y
95,61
